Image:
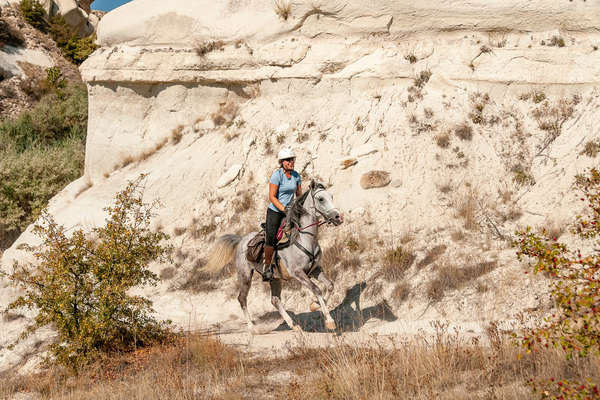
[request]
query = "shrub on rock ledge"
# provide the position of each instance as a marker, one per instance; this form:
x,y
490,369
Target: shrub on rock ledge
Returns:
x,y
81,283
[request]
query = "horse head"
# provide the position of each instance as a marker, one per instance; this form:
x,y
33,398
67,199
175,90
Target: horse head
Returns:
x,y
323,203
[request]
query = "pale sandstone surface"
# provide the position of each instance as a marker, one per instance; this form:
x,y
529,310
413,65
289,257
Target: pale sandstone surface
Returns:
x,y
337,81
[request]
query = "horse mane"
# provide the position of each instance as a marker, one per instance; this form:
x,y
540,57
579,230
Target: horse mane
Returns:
x,y
296,210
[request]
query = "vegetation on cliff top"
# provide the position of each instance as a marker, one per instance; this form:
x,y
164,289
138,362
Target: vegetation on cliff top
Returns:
x,y
73,47
41,151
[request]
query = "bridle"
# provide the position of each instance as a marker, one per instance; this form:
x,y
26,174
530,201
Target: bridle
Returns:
x,y
327,220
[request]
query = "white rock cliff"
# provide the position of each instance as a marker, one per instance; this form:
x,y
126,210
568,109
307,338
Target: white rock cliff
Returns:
x,y
444,96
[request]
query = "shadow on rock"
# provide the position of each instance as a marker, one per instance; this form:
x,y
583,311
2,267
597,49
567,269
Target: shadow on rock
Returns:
x,y
348,315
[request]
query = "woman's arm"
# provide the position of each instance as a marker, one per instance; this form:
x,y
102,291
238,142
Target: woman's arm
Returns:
x,y
299,191
273,197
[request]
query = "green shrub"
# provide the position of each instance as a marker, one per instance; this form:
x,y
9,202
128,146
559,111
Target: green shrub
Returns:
x,y
80,285
575,324
28,180
52,120
72,46
40,152
34,14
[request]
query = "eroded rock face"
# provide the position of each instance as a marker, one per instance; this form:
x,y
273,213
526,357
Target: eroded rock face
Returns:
x,y
445,95
76,14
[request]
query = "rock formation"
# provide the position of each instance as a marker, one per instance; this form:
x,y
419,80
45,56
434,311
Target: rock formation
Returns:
x,y
76,14
478,111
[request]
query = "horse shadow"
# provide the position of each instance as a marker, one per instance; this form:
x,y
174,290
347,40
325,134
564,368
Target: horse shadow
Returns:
x,y
348,315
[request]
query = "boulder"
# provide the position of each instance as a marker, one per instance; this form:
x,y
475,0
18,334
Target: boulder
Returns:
x,y
375,179
229,175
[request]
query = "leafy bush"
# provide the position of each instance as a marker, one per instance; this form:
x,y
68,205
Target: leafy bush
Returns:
x,y
40,152
575,326
52,120
81,282
28,180
34,14
73,47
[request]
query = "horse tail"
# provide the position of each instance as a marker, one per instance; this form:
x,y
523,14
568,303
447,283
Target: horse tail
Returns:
x,y
222,253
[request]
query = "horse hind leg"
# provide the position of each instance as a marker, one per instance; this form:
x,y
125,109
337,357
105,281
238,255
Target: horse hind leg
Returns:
x,y
245,280
276,301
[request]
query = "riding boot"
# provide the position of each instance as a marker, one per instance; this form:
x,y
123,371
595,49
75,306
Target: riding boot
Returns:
x,y
268,264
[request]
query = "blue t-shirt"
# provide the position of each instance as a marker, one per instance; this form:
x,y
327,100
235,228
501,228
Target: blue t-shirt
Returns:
x,y
287,187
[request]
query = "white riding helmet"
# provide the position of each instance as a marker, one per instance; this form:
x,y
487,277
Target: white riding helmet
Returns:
x,y
284,153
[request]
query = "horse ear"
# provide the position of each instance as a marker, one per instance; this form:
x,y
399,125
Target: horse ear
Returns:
x,y
313,184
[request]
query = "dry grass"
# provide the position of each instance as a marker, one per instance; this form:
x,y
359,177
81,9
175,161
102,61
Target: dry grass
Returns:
x,y
302,136
200,281
444,367
268,147
464,131
167,273
432,255
550,118
199,230
411,58
443,140
343,255
401,291
441,366
591,149
522,175
244,202
466,209
283,8
178,231
422,78
445,188
396,262
177,134
190,368
458,236
206,47
226,114
451,277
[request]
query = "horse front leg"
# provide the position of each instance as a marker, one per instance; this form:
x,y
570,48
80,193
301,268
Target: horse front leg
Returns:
x,y
305,280
276,301
328,288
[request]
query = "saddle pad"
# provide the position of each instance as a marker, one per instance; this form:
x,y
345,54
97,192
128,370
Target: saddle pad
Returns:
x,y
255,247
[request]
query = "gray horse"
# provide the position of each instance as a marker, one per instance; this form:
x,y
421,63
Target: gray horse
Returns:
x,y
301,260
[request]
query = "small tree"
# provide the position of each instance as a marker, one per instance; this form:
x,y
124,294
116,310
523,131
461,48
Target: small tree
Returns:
x,y
575,327
34,14
81,282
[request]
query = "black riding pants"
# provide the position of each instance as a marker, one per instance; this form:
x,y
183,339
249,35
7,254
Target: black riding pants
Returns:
x,y
272,224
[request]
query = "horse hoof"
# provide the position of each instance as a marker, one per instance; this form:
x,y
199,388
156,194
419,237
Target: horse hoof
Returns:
x,y
330,325
314,306
297,328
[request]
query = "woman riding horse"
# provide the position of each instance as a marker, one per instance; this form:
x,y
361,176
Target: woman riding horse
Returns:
x,y
283,185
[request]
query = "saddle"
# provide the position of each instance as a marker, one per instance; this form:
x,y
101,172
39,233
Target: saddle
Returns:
x,y
255,247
